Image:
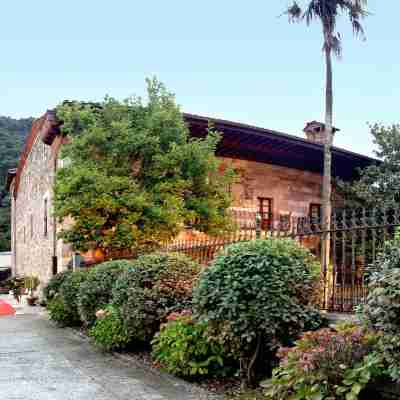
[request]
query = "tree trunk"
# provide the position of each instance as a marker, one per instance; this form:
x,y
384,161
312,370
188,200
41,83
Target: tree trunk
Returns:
x,y
327,180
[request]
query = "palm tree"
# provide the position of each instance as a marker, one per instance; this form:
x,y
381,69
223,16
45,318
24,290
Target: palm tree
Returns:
x,y
327,12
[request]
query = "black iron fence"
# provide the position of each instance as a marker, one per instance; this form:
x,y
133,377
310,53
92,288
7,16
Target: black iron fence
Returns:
x,y
354,239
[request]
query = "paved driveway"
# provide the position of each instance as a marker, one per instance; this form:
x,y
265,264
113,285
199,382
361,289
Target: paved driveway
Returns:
x,y
41,362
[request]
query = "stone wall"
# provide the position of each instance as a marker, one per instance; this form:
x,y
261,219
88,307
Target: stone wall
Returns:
x,y
34,230
292,191
13,232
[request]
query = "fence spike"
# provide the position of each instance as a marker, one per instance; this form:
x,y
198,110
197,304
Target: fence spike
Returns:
x,y
356,237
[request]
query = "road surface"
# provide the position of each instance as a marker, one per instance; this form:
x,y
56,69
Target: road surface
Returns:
x,y
39,361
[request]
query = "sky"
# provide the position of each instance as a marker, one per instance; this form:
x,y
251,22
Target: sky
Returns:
x,y
239,61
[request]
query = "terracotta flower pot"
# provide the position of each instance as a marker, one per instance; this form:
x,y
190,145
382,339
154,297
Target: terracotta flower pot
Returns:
x,y
99,255
93,256
32,301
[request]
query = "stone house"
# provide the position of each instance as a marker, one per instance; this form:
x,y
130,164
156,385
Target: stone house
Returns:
x,y
280,175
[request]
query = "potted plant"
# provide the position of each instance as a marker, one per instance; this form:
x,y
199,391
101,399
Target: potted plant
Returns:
x,y
31,284
15,286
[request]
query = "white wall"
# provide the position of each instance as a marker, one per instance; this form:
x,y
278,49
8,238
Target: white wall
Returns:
x,y
5,259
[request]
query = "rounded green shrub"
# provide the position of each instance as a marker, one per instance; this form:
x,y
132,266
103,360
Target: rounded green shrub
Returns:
x,y
52,288
58,311
108,331
183,349
155,285
256,295
64,311
95,292
382,308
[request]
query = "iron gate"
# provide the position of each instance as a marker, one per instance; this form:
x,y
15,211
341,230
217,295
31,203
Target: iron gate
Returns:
x,y
355,238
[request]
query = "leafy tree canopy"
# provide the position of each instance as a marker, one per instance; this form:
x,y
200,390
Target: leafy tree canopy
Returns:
x,y
134,176
379,183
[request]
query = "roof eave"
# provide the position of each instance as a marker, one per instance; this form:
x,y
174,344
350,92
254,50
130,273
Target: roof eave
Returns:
x,y
51,127
279,135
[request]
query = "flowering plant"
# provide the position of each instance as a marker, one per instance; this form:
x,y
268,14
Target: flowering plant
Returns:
x,y
326,364
177,315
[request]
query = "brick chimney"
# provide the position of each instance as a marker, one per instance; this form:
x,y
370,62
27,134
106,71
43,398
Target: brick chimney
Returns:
x,y
315,131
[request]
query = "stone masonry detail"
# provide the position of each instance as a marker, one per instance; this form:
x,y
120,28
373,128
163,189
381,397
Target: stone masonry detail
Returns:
x,y
34,237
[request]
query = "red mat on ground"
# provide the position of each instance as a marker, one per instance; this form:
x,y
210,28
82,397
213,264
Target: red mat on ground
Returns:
x,y
6,309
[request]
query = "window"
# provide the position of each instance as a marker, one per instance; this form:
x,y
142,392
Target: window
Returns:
x,y
315,213
285,222
265,209
45,218
31,226
24,235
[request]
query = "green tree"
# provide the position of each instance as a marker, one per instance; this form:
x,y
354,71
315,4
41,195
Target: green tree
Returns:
x,y
12,136
379,183
134,177
327,13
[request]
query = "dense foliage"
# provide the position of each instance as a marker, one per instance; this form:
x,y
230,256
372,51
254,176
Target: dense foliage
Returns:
x,y
155,285
58,312
53,287
12,136
70,287
16,285
95,292
326,364
142,174
108,332
256,294
382,309
379,184
63,308
183,349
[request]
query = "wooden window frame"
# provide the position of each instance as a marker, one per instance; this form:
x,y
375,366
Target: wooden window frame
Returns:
x,y
266,222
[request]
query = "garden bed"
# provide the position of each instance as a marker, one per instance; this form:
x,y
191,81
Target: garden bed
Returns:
x,y
250,314
207,389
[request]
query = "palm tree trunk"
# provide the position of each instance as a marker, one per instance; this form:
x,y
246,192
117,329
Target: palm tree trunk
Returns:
x,y
327,180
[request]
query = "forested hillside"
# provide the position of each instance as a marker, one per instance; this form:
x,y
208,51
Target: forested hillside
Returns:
x,y
12,136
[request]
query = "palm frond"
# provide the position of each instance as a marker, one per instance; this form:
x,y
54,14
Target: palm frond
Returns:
x,y
328,12
358,29
333,43
294,12
313,11
356,10
337,46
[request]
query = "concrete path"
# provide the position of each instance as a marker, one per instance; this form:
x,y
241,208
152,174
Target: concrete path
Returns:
x,y
21,307
41,362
